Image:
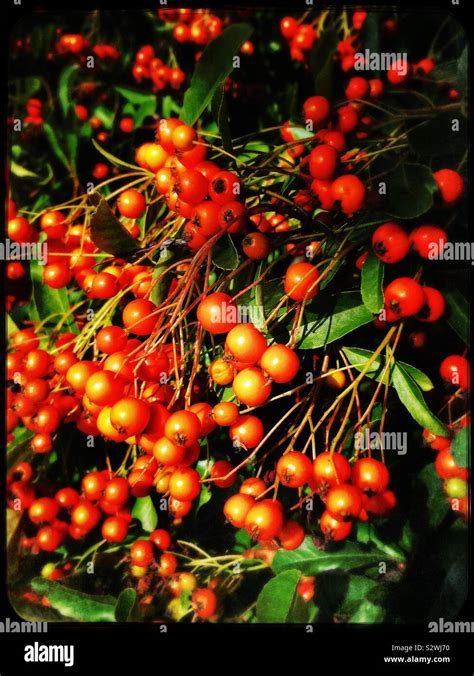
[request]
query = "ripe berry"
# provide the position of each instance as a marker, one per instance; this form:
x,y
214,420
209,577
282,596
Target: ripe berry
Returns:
x,y
294,469
131,203
450,185
330,469
247,431
370,475
137,317
233,217
141,553
256,246
246,343
390,242
455,369
334,529
221,469
130,416
217,313
291,535
316,109
344,502
184,484
225,187
428,241
161,539
264,520
114,529
434,305
183,428
350,192
225,413
204,603
404,297
117,491
280,363
357,88
251,387
447,468
323,162
237,507
301,281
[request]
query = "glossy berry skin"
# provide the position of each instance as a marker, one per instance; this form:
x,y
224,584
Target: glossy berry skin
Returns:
x,y
247,431
204,602
225,413
43,510
137,317
111,339
237,507
233,217
168,453
264,520
141,553
344,502
428,241
350,192
49,538
85,516
246,343
404,297
294,469
184,484
183,428
253,486
455,369
225,187
434,305
447,468
357,88
221,371
131,203
206,218
330,469
323,162
291,535
191,186
316,109
390,243
114,529
370,475
256,246
219,470
217,313
161,539
280,363
450,185
301,281
251,387
130,416
117,491
333,529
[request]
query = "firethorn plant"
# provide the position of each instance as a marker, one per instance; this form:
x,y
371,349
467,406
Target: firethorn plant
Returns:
x,y
235,315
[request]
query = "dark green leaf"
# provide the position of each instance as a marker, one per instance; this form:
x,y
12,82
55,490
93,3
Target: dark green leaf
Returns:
x,y
126,605
457,315
357,356
224,254
371,283
221,116
435,503
411,397
75,604
322,63
410,190
460,447
279,602
107,232
64,86
341,315
215,64
144,510
55,145
310,560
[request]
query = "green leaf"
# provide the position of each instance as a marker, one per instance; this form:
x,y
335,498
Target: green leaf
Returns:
x,y
64,87
135,96
224,254
55,146
411,397
50,303
322,63
113,159
357,357
142,105
458,315
279,601
460,447
33,612
371,283
21,172
74,604
429,493
215,64
127,603
11,326
105,115
204,496
107,232
221,115
144,510
310,560
410,190
343,313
